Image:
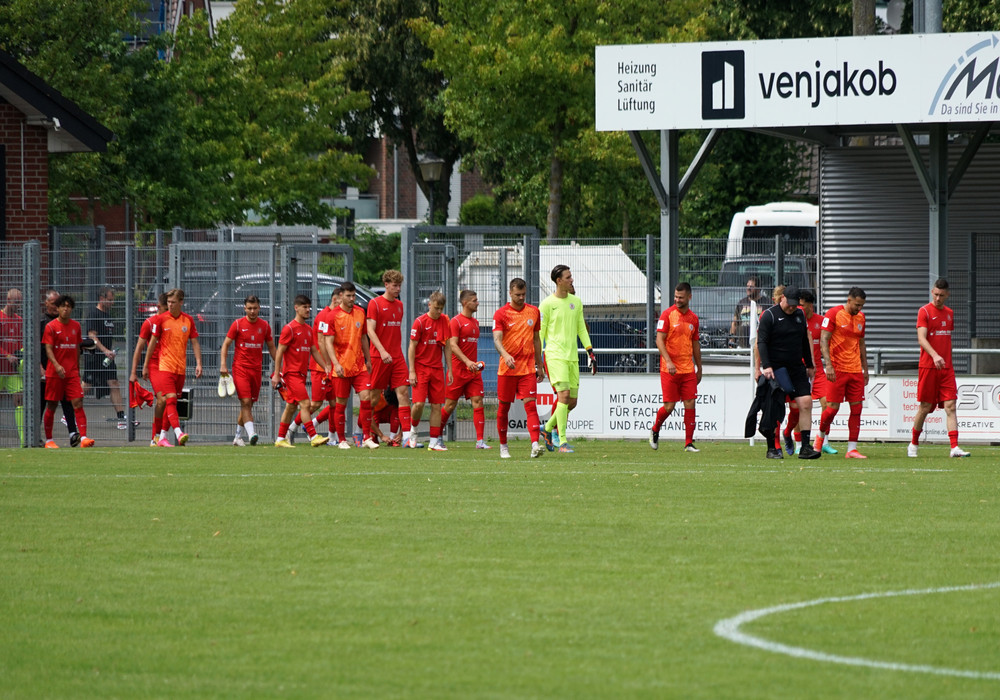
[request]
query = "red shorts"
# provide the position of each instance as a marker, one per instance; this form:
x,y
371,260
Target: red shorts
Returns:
x,y
516,386
389,376
166,382
678,387
295,388
429,386
319,393
359,382
849,386
820,384
466,387
68,387
935,386
247,383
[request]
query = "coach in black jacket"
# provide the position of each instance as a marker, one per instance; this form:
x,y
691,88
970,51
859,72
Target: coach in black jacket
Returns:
x,y
786,355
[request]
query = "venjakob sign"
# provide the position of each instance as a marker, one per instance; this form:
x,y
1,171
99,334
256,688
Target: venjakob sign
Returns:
x,y
902,79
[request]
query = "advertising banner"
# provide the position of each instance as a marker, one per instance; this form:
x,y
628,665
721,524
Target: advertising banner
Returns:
x,y
625,407
892,79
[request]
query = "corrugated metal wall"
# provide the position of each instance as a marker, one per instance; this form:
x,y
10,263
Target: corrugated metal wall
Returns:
x,y
874,221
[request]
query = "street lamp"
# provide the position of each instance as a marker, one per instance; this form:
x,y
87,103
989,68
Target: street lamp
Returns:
x,y
430,170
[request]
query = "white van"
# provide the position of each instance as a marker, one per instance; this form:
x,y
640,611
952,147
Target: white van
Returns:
x,y
752,231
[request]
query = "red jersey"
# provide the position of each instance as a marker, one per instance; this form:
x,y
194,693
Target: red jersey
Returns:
x,y
146,332
298,337
847,330
349,331
11,341
466,332
65,341
815,325
249,340
519,331
431,336
681,331
321,327
940,324
388,317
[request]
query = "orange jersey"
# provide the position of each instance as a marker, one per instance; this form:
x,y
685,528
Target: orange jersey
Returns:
x,y
847,330
519,330
347,330
681,333
172,336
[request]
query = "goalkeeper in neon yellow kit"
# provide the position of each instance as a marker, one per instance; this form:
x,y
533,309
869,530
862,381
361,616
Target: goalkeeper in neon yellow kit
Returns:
x,y
562,324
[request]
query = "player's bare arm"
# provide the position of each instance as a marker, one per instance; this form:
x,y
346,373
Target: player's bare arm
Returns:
x,y
505,356
539,362
824,346
457,352
366,350
450,374
925,345
139,346
661,345
153,342
320,360
52,361
197,357
373,339
331,352
223,353
411,355
864,358
276,374
696,354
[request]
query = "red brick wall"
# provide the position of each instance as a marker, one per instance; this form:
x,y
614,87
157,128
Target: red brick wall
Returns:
x,y
26,178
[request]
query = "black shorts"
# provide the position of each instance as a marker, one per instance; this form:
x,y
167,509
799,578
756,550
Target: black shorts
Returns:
x,y
97,375
794,379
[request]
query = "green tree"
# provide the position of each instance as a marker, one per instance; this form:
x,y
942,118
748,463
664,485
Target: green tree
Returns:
x,y
389,62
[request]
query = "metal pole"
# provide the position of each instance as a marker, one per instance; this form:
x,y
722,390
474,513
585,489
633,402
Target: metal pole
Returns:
x,y
669,219
130,317
651,308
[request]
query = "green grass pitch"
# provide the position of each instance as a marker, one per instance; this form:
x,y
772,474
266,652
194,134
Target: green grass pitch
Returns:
x,y
214,572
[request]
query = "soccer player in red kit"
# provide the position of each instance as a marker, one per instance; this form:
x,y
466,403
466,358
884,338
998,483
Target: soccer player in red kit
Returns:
x,y
680,364
428,338
145,333
845,361
346,341
320,391
384,325
172,331
515,335
468,378
250,335
61,339
291,362
936,385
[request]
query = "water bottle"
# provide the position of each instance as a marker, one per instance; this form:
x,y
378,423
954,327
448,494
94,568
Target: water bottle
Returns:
x,y
108,360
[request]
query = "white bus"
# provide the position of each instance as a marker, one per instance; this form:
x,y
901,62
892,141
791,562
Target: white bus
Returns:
x,y
752,231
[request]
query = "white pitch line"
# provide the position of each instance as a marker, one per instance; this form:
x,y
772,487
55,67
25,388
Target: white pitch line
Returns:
x,y
730,629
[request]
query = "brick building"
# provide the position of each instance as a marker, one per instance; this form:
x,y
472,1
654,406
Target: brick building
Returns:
x,y
35,120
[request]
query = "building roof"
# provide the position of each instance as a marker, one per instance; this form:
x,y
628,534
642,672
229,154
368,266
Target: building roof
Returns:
x,y
70,129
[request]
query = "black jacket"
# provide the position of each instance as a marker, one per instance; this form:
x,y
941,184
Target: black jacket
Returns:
x,y
769,401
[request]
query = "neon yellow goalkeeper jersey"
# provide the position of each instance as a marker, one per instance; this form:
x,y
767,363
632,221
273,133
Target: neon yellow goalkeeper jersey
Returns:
x,y
562,323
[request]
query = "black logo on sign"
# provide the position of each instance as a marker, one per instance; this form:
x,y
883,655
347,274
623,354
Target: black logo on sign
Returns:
x,y
723,85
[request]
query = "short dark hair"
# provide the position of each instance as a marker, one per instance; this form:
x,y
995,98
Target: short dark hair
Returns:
x,y
65,299
348,286
856,293
105,291
807,296
251,299
337,291
517,283
391,397
162,299
558,271
683,287
302,300
940,283
465,295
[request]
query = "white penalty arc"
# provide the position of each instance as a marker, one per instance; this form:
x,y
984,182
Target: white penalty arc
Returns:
x,y
730,629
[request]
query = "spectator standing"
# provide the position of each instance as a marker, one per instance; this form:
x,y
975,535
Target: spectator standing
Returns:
x,y
99,368
740,327
936,385
11,354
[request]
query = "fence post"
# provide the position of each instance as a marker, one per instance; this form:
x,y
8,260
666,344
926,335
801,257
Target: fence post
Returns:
x,y
130,316
31,257
651,309
973,286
